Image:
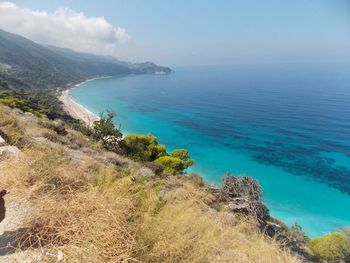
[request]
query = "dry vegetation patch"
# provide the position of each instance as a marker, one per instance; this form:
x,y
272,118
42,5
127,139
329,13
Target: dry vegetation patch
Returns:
x,y
186,229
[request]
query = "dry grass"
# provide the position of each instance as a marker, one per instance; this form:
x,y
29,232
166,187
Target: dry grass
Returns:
x,y
82,208
185,229
91,226
94,211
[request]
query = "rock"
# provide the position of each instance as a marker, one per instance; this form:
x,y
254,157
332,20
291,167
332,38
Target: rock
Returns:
x,y
2,141
111,143
239,205
273,229
10,151
17,212
243,194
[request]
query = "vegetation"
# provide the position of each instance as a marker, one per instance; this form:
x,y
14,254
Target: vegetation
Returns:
x,y
177,162
332,247
46,67
42,104
172,165
184,156
97,206
20,104
105,126
144,148
297,234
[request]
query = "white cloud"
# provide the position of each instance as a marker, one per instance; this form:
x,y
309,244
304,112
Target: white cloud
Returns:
x,y
64,28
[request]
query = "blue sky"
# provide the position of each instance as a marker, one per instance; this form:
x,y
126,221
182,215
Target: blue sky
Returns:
x,y
189,32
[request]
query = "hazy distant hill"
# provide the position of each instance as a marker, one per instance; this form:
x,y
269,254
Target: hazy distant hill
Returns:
x,y
38,66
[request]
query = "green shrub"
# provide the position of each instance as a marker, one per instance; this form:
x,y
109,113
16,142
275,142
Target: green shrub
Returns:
x,y
146,148
42,104
143,148
183,155
20,104
334,246
172,165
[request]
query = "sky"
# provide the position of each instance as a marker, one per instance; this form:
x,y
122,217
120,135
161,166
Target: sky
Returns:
x,y
189,32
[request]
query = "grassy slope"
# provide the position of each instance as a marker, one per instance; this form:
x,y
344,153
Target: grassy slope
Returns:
x,y
96,206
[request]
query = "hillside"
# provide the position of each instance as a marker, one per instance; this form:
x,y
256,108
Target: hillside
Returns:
x,y
92,205
41,66
26,68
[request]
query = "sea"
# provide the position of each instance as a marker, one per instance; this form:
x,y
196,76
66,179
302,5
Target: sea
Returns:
x,y
286,125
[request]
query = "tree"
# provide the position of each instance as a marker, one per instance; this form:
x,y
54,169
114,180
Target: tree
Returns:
x,y
104,127
183,155
177,162
172,165
143,148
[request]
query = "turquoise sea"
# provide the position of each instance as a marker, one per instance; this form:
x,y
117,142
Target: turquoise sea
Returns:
x,y
287,125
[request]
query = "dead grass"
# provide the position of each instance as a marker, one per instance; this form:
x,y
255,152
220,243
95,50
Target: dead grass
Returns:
x,y
82,209
91,226
185,229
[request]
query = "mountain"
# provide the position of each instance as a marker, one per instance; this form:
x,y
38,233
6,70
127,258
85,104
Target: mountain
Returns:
x,y
39,66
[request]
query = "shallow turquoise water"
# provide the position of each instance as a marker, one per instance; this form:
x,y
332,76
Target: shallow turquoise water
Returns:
x,y
286,125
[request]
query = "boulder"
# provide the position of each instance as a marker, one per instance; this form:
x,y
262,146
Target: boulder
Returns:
x,y
12,151
243,195
239,205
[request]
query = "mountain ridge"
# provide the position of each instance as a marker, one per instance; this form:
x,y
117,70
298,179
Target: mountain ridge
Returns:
x,y
40,66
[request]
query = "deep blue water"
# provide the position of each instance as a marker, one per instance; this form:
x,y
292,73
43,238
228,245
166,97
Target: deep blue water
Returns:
x,y
286,125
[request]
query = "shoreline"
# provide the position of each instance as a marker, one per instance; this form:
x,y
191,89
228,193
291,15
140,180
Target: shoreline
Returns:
x,y
75,109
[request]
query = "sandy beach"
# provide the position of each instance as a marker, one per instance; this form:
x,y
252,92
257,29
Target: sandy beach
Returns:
x,y
76,110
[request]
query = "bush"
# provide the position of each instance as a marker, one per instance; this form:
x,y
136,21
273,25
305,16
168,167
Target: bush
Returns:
x,y
297,234
172,165
104,127
143,148
20,104
335,246
146,148
183,155
42,104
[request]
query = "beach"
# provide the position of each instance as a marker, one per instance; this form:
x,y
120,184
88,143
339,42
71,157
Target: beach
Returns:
x,y
76,110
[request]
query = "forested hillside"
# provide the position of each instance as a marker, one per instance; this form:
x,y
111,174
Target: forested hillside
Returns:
x,y
41,66
27,68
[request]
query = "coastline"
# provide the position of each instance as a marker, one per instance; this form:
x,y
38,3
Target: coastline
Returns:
x,y
289,207
75,109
